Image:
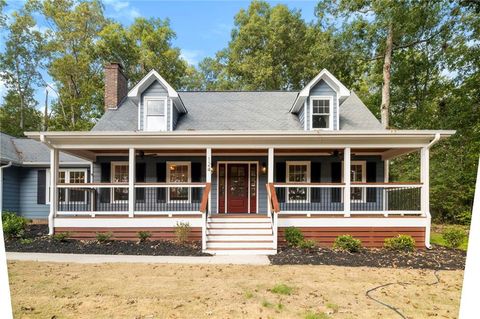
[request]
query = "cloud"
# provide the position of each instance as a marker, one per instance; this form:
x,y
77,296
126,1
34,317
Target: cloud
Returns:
x,y
191,56
3,90
121,10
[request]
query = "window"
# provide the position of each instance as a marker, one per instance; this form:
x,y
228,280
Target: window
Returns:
x,y
155,114
71,176
321,112
357,175
298,172
120,175
178,173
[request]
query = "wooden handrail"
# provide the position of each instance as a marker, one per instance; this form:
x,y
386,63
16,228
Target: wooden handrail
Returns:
x,y
206,191
273,198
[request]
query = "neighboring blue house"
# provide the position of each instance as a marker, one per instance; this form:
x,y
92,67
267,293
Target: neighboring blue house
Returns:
x,y
25,175
239,167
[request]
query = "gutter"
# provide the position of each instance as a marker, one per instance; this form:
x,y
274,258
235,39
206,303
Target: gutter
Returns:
x,y
434,141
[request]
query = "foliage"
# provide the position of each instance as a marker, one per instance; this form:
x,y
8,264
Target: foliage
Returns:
x,y
307,244
182,231
13,225
400,242
454,236
316,315
293,236
282,289
103,237
144,235
347,243
26,241
62,237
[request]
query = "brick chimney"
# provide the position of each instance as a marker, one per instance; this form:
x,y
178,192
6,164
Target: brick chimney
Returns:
x,y
115,85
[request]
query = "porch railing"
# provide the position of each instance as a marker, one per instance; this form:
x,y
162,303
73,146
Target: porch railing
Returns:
x,y
366,198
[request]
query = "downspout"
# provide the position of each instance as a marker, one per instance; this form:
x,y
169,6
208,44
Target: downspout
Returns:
x,y
1,185
50,211
429,216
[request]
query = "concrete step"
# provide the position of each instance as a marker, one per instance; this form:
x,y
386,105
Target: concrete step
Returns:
x,y
239,244
239,231
241,251
239,220
239,225
237,237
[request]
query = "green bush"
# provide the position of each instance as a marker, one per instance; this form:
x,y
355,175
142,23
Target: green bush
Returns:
x,y
347,243
13,225
454,236
293,236
144,235
182,232
308,244
103,237
26,241
61,237
401,242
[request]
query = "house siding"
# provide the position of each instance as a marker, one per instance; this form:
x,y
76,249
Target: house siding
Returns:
x,y
28,195
154,90
11,189
175,115
323,89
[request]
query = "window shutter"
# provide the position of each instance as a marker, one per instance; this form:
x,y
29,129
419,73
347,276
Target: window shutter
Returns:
x,y
140,178
41,186
280,177
196,178
105,178
161,178
336,171
371,178
315,177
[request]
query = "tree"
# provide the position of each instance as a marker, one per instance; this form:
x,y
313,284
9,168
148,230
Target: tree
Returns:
x,y
9,114
21,62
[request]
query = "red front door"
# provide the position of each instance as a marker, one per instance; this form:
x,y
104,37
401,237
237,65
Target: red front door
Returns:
x,y
237,188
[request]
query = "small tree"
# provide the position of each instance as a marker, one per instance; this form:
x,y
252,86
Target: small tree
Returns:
x,y
182,232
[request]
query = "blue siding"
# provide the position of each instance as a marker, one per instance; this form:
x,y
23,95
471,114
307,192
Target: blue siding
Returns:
x,y
302,115
154,90
11,189
175,115
28,196
323,89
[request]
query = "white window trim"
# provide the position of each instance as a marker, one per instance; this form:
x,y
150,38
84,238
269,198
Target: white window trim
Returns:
x,y
330,118
67,172
189,165
364,178
112,175
165,107
287,179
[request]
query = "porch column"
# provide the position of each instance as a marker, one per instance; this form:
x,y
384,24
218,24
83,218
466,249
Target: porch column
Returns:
x,y
131,182
346,180
425,180
53,189
271,155
208,175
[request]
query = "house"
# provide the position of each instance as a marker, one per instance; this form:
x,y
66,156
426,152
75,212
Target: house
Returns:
x,y
239,167
25,176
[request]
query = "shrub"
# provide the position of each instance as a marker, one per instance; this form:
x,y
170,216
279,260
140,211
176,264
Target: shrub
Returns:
x,y
182,231
401,242
347,243
26,241
282,289
13,225
293,236
454,236
103,237
144,235
308,244
61,237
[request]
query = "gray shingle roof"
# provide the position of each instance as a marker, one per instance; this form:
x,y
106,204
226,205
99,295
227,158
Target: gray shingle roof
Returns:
x,y
239,111
23,150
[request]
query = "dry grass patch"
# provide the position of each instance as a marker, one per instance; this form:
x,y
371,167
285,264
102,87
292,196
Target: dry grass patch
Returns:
x,y
44,290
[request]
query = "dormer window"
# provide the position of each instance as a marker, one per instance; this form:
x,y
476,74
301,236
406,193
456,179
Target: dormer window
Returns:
x,y
155,114
321,112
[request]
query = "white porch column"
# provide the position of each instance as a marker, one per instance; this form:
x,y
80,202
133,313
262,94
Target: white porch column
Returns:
x,y
131,182
346,180
208,175
53,189
271,154
425,180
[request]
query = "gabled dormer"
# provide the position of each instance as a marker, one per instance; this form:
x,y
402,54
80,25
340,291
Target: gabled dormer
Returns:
x,y
317,104
159,105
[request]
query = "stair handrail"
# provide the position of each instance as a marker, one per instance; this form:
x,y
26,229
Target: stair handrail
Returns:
x,y
204,202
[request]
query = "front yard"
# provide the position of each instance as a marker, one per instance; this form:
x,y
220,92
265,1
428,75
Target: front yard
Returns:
x,y
54,290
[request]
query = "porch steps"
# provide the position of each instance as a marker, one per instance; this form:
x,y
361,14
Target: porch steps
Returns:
x,y
240,235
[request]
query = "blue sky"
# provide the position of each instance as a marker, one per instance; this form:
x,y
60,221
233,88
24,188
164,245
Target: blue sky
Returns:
x,y
202,27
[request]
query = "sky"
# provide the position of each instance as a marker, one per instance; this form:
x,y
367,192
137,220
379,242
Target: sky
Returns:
x,y
202,27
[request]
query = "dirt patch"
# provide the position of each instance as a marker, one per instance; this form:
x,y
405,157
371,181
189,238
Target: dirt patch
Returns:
x,y
46,290
37,240
437,258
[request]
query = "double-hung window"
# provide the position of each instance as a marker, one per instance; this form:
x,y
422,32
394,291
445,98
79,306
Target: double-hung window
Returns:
x,y
120,175
178,173
321,112
72,176
298,172
155,114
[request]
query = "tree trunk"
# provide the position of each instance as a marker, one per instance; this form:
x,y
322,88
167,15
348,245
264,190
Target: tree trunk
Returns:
x,y
387,64
45,115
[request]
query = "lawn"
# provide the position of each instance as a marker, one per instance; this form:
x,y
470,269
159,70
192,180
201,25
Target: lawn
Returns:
x,y
47,290
437,239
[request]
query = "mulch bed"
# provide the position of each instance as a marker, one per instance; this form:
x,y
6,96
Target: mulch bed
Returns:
x,y
42,243
438,257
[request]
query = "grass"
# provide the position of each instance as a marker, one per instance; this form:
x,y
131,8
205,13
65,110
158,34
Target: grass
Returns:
x,y
282,289
46,290
437,239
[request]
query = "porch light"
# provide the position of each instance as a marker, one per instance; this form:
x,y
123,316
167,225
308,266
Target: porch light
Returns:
x,y
264,168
